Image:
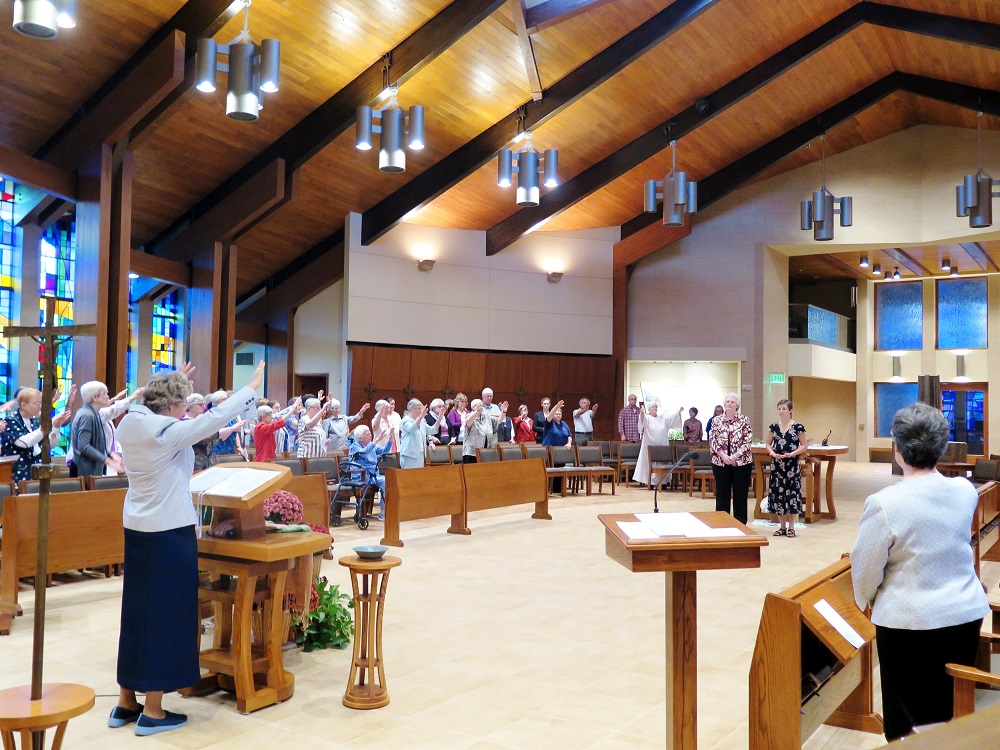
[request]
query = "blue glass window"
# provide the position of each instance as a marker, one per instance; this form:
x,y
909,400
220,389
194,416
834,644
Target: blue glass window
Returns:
x,y
890,398
961,313
57,279
822,326
899,316
10,272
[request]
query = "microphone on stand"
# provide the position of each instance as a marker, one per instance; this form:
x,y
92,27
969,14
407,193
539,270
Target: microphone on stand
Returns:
x,y
694,456
826,440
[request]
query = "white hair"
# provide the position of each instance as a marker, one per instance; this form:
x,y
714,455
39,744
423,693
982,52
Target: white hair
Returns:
x,y
217,397
436,403
381,404
413,403
263,411
312,403
475,402
487,390
91,390
194,398
735,396
334,403
359,431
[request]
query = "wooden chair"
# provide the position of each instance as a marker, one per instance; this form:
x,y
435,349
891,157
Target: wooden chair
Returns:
x,y
324,465
661,458
563,457
455,449
610,457
119,482
589,457
487,455
295,464
604,445
967,679
700,470
230,458
985,470
511,452
64,484
439,456
628,456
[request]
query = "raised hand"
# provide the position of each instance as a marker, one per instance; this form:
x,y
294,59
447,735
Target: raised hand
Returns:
x,y
258,377
187,369
120,395
503,407
364,408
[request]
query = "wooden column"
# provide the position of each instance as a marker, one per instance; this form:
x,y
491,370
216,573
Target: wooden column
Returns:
x,y
929,390
117,269
619,339
27,361
204,313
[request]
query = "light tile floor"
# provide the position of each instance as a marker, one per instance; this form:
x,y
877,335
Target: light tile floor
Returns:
x,y
522,635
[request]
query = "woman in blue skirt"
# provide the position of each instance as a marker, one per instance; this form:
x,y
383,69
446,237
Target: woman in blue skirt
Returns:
x,y
158,645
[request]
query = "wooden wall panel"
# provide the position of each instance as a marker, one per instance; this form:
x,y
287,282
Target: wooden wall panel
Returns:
x,y
429,371
467,373
503,373
391,368
540,373
361,366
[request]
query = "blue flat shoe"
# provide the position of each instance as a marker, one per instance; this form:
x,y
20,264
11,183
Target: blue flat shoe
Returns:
x,y
121,716
146,726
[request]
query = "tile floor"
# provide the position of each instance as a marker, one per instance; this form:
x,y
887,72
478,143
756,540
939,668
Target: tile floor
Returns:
x,y
522,635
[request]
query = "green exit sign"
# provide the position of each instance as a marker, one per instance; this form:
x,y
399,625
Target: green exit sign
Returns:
x,y
777,378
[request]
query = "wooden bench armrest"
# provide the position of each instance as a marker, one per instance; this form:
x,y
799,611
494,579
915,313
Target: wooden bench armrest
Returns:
x,y
961,672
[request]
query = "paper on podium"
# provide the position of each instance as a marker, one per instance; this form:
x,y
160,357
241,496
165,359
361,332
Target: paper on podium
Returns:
x,y
839,623
231,482
637,530
675,524
710,532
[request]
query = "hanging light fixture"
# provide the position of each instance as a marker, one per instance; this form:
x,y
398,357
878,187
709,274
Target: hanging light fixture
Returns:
x,y
974,197
864,261
877,269
253,69
945,264
530,164
896,275
681,192
954,271
42,19
392,124
817,214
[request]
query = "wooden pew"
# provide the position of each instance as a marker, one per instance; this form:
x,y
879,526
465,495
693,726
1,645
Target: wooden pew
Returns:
x,y
424,493
803,673
85,531
986,525
498,485
311,490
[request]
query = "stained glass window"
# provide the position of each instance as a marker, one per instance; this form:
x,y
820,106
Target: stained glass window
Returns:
x,y
131,358
168,316
961,313
890,398
57,279
899,316
10,272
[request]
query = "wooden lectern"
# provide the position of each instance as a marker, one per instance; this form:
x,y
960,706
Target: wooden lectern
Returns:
x,y
680,557
804,672
236,495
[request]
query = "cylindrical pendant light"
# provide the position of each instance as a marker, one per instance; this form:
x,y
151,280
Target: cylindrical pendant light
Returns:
x,y
391,156
864,261
945,264
415,130
551,168
242,99
954,271
66,14
36,18
649,196
981,214
692,197
970,191
505,167
270,63
527,178
805,215
363,129
206,68
846,211
877,269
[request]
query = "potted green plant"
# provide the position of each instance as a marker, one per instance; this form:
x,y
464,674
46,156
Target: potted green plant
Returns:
x,y
330,623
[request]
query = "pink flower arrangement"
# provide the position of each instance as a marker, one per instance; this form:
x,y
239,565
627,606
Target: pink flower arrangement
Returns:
x,y
283,507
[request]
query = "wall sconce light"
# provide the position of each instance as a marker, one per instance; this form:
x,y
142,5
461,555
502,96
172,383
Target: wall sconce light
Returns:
x,y
252,70
554,277
425,265
817,214
954,271
974,197
864,261
530,163
678,193
960,368
42,19
897,367
877,269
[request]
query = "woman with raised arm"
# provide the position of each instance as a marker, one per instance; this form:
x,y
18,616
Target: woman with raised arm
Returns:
x,y
23,435
158,644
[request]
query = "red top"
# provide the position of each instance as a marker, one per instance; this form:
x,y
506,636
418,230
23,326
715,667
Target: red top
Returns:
x,y
264,443
524,430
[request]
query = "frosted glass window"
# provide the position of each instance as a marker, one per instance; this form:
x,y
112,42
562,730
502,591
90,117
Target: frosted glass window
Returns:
x,y
822,326
890,398
899,316
961,313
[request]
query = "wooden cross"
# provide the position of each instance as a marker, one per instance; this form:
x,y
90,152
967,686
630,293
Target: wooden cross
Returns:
x,y
521,393
409,390
371,389
447,391
50,337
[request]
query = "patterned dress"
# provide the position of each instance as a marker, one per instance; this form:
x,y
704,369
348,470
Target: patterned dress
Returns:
x,y
785,492
16,428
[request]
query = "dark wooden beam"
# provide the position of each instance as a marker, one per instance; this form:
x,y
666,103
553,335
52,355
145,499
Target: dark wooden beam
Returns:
x,y
117,112
519,12
633,249
197,18
27,170
161,269
250,333
598,175
552,12
318,129
843,268
469,157
979,255
906,260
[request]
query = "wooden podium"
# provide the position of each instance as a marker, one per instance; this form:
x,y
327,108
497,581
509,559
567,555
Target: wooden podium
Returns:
x,y
804,672
680,557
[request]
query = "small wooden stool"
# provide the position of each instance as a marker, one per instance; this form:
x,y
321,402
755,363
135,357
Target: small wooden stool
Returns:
x,y
366,682
59,703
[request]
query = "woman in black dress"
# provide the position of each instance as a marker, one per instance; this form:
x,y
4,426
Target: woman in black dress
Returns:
x,y
786,441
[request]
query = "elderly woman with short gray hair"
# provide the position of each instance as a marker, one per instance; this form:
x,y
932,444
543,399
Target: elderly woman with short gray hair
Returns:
x,y
413,434
912,564
312,436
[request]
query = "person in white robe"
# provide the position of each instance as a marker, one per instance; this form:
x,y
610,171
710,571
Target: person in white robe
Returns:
x,y
654,427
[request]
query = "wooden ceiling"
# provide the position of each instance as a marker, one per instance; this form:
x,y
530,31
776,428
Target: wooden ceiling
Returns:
x,y
613,72
968,258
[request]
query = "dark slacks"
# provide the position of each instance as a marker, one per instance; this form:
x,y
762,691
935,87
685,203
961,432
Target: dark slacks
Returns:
x,y
468,459
732,483
915,688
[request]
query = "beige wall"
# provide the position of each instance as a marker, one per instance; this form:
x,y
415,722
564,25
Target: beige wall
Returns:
x,y
823,405
319,342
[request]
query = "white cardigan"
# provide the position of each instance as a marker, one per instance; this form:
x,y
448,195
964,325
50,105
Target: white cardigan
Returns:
x,y
912,561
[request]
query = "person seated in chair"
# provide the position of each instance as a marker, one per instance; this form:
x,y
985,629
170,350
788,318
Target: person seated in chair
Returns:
x,y
365,453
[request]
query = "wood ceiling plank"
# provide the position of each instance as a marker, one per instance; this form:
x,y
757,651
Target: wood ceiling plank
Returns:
x,y
27,170
907,261
979,255
552,12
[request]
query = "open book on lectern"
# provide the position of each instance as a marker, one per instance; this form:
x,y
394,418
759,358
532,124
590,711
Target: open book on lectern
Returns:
x,y
237,492
237,483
